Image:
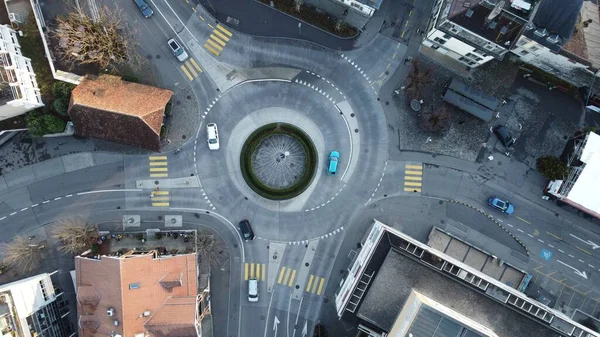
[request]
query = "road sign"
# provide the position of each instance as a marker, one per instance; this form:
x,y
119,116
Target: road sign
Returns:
x,y
546,254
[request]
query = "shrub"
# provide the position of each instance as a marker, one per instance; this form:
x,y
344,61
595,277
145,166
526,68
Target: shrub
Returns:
x,y
139,236
62,89
157,236
40,124
552,167
61,106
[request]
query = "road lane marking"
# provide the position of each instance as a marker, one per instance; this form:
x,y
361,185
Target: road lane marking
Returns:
x,y
509,225
158,163
221,35
47,201
160,192
258,271
314,287
281,275
159,169
562,251
554,235
416,167
245,271
407,189
418,173
160,198
523,220
23,209
210,49
320,286
186,72
571,256
551,245
191,68
221,28
195,65
13,213
160,204
292,278
583,250
2,218
157,157
287,275
310,280
531,236
410,183
251,270
413,178
215,45
216,39
520,230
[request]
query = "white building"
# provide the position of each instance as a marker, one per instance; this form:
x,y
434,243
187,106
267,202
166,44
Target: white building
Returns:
x,y
477,31
580,188
31,307
19,91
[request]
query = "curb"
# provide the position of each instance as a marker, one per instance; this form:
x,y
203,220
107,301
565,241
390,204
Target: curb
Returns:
x,y
493,220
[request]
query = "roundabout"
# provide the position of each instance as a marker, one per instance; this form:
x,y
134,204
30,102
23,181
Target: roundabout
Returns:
x,y
272,166
278,161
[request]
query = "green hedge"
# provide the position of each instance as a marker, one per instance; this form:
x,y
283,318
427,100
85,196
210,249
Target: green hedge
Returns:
x,y
252,143
40,124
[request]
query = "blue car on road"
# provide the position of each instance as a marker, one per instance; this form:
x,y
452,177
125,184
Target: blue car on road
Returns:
x,y
501,205
334,158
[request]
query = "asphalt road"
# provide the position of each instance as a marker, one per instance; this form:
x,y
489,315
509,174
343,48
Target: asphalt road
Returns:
x,y
302,246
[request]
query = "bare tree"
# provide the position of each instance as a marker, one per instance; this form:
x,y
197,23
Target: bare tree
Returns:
x,y
436,120
104,40
23,254
298,5
209,248
417,79
75,235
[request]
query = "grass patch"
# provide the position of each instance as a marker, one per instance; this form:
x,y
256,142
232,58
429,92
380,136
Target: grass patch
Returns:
x,y
254,141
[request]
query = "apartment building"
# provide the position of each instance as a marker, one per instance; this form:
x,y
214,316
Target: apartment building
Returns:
x,y
19,90
477,31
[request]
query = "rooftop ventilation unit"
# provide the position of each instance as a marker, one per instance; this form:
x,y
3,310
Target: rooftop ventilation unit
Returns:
x,y
496,11
469,13
116,323
493,25
554,39
503,30
146,313
541,32
110,311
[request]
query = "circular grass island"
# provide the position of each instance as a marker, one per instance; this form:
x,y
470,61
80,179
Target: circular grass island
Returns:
x,y
278,161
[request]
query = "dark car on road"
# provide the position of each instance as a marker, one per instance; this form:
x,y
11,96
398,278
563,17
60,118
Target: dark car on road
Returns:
x,y
246,230
144,8
503,135
501,205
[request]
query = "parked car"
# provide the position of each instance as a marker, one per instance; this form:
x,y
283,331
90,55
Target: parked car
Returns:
x,y
253,290
212,136
502,205
502,133
177,50
246,230
334,158
144,8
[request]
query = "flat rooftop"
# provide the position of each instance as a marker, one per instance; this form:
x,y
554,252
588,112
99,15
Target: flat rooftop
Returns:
x,y
585,190
399,275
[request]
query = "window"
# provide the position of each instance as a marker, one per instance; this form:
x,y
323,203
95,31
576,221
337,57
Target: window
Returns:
x,y
134,285
534,48
489,47
435,46
477,51
523,52
447,37
44,292
438,40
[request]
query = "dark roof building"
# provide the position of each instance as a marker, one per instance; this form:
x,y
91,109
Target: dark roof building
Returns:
x,y
554,23
398,286
109,108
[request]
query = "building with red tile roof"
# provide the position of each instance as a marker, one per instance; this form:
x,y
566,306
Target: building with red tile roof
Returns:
x,y
109,108
137,295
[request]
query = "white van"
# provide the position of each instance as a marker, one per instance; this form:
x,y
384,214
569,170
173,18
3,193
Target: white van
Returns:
x,y
253,290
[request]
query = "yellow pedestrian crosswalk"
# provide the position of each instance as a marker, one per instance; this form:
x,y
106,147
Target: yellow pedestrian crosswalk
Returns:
x,y
217,40
158,166
287,276
191,69
255,270
315,284
413,177
160,199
